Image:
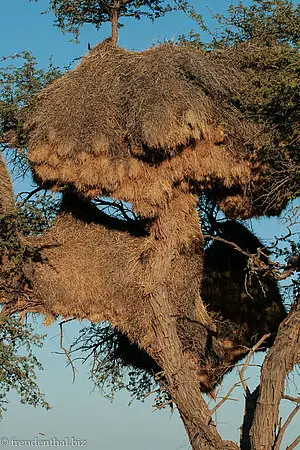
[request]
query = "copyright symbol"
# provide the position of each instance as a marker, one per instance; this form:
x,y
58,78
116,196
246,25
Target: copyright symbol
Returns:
x,y
4,442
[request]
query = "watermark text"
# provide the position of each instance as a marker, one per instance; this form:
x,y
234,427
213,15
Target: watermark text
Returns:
x,y
38,442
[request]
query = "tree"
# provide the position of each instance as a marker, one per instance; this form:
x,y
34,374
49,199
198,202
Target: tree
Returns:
x,y
72,15
81,229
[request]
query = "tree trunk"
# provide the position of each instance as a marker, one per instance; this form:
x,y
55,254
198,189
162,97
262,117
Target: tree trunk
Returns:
x,y
114,22
180,371
182,376
176,228
250,406
280,360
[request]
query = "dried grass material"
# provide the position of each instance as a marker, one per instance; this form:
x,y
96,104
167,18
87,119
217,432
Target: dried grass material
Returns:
x,y
98,270
131,124
7,203
90,271
267,192
90,266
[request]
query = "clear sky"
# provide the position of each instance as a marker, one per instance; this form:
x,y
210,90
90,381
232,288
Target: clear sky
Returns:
x,y
78,412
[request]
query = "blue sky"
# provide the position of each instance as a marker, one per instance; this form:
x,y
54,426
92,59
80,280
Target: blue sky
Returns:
x,y
24,28
77,411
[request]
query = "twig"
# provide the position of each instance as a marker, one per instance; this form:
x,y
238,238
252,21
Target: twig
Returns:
x,y
30,194
239,249
229,398
284,427
226,397
294,443
246,364
286,273
163,405
150,393
119,206
63,348
292,399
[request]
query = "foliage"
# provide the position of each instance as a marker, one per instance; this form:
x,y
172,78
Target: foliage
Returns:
x,y
71,15
270,21
107,370
20,81
18,365
263,39
35,214
101,345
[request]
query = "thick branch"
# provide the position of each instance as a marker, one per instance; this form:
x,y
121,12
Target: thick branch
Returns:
x,y
281,359
114,22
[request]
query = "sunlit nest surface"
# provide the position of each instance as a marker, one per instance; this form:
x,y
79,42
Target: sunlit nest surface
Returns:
x,y
134,124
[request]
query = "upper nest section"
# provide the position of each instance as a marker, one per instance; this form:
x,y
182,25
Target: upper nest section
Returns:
x,y
123,120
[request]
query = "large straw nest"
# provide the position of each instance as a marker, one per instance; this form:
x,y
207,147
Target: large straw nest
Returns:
x,y
132,124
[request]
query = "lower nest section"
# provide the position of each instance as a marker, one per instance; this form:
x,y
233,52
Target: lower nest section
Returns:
x,y
97,269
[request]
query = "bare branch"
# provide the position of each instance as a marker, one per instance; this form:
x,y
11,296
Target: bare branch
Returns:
x,y
247,361
119,206
163,405
284,427
280,360
292,399
239,249
226,397
286,274
30,194
294,443
64,349
256,264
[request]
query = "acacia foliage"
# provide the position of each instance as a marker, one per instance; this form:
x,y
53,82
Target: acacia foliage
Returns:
x,y
263,40
18,364
71,15
20,81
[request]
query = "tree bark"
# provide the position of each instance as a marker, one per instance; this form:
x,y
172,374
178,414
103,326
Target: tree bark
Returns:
x,y
114,22
280,360
180,372
173,230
